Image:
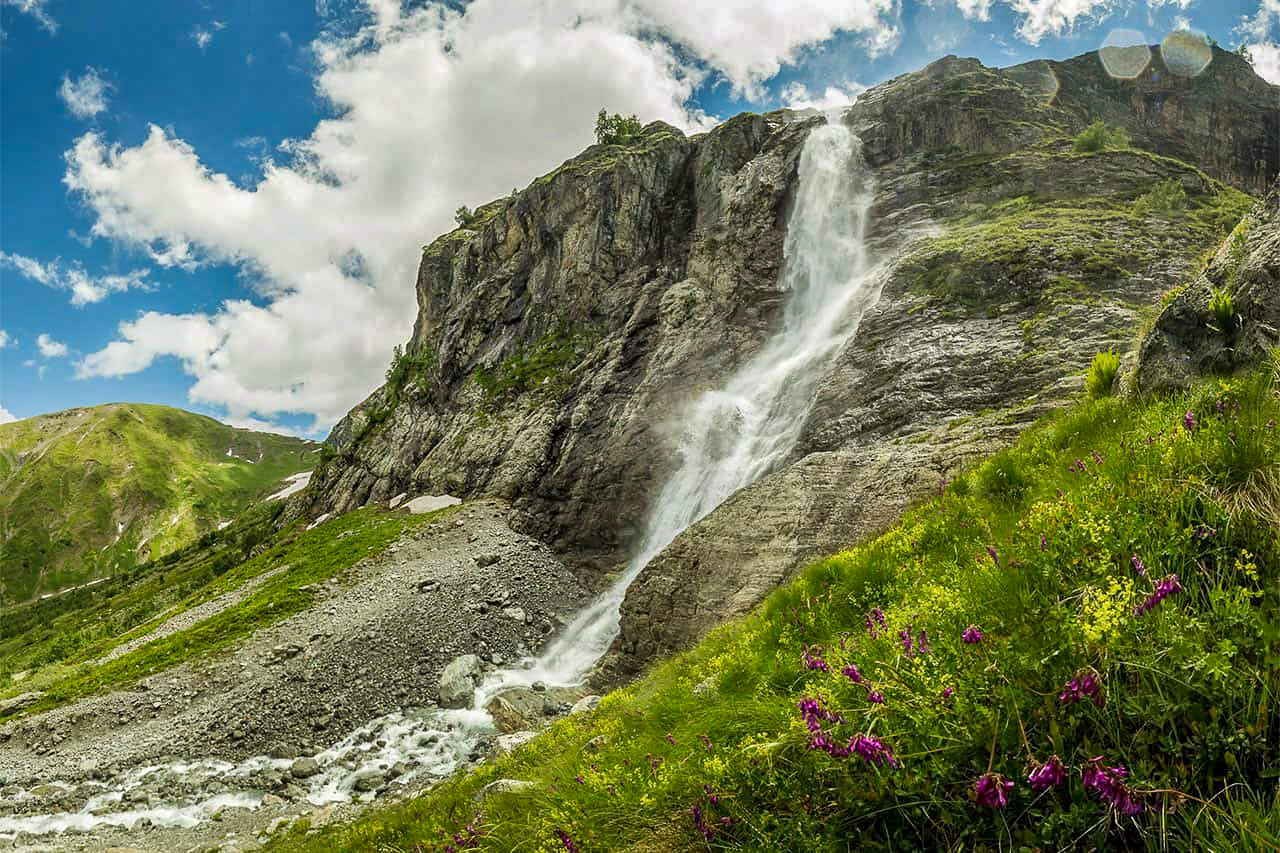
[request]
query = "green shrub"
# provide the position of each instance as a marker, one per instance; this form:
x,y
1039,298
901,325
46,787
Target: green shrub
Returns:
x,y
1099,137
616,129
1003,478
544,369
1223,310
1100,379
1165,197
464,216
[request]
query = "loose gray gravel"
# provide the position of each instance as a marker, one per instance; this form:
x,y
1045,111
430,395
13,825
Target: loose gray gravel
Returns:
x,y
368,647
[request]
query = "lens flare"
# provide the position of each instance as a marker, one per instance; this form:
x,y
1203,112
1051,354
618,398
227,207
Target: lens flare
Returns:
x,y
1038,79
1186,53
1125,54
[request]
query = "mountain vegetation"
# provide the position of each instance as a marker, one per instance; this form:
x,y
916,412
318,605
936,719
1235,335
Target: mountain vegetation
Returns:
x,y
87,493
1074,643
1012,583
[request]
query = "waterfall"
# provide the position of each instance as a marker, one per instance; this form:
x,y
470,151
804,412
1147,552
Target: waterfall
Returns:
x,y
734,434
730,436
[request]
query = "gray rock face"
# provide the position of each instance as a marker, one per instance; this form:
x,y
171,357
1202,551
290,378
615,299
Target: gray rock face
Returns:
x,y
1188,340
304,768
20,702
458,682
561,336
521,709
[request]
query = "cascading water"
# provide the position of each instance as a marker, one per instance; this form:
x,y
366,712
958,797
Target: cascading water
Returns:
x,y
731,436
734,434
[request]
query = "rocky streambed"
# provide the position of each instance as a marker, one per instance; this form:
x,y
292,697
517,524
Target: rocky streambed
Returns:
x,y
372,692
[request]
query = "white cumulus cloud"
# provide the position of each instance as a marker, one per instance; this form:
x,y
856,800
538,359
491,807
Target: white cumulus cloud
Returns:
x,y
6,417
798,96
979,10
36,9
84,288
750,40
5,340
49,348
203,35
433,107
1265,57
1261,32
1042,18
85,96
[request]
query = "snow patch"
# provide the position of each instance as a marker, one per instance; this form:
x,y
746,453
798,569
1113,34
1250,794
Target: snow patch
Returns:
x,y
319,521
431,503
296,483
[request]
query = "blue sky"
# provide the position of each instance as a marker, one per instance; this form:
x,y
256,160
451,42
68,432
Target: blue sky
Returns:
x,y
219,205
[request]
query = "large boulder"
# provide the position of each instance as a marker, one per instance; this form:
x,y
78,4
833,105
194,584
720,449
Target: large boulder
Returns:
x,y
520,709
459,680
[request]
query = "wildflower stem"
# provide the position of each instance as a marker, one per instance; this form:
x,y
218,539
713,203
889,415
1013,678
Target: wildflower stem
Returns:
x,y
995,733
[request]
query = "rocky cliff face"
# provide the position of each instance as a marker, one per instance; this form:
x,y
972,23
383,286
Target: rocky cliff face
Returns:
x,y
561,334
1190,338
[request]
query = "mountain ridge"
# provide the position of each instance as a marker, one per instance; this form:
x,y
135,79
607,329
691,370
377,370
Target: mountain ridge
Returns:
x,y
90,491
561,331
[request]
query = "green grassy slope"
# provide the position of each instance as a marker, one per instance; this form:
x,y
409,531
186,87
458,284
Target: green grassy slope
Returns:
x,y
90,492
1052,552
53,645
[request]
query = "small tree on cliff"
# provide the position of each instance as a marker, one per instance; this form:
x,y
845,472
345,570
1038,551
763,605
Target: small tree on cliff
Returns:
x,y
616,129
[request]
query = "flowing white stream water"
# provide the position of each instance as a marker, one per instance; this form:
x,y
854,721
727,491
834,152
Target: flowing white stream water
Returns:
x,y
731,436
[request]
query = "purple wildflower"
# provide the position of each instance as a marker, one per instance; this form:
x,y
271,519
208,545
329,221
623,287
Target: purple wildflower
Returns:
x,y
972,635
922,643
1138,565
706,741
1044,543
992,790
1165,587
1189,420
1048,774
671,739
874,618
1108,783
853,673
1085,684
875,697
995,556
700,824
569,846
813,659
905,636
873,751
814,714
948,692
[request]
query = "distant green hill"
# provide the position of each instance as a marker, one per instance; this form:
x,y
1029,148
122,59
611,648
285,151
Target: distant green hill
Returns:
x,y
88,492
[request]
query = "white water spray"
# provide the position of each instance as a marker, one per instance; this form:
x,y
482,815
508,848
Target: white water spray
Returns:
x,y
735,434
731,436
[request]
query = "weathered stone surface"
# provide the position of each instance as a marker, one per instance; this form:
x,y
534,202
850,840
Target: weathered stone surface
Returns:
x,y
513,741
520,709
1188,341
429,503
653,270
458,681
304,768
503,786
20,702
